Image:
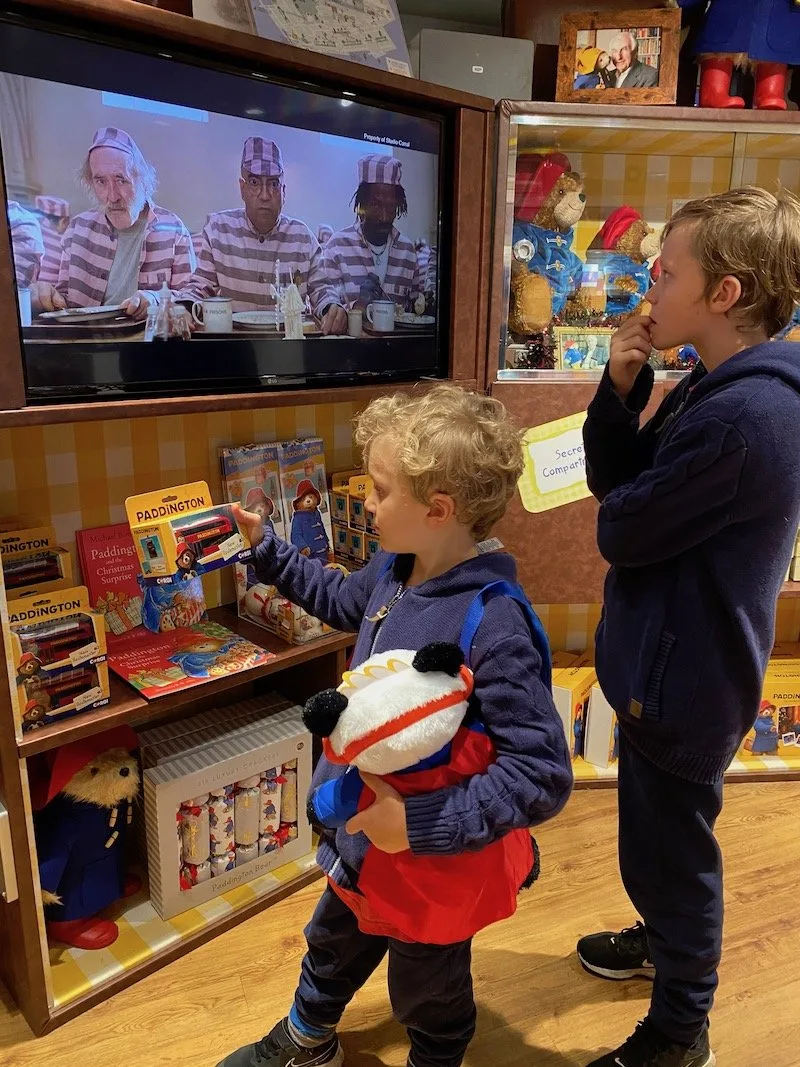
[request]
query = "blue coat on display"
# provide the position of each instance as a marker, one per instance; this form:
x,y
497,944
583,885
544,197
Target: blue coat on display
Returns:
x,y
308,531
74,862
553,258
617,265
766,30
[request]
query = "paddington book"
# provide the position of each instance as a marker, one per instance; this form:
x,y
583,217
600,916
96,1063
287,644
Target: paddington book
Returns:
x,y
157,664
110,569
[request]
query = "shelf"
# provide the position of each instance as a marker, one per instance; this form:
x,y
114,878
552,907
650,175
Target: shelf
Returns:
x,y
128,707
790,590
745,768
93,411
82,979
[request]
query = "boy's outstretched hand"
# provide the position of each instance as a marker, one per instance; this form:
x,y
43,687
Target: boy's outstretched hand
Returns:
x,y
251,522
630,350
384,821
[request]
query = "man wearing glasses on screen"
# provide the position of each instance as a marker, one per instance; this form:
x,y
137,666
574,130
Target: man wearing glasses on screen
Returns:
x,y
245,252
121,252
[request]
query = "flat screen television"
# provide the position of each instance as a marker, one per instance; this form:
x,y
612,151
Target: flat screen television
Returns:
x,y
180,224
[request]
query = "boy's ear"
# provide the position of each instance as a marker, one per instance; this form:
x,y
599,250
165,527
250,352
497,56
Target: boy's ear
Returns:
x,y
441,507
726,295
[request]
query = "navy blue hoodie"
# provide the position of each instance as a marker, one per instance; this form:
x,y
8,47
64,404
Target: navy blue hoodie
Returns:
x,y
699,513
532,776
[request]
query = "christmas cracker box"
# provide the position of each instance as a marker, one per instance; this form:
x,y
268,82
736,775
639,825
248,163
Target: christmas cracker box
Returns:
x,y
602,731
572,689
218,816
179,533
33,559
58,653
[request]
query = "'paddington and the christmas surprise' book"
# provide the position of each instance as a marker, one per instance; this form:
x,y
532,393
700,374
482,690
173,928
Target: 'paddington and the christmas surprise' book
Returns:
x,y
156,664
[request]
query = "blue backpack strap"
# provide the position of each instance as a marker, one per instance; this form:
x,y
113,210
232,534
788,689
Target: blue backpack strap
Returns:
x,y
388,563
514,592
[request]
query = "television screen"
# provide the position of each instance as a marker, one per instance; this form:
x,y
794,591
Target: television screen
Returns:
x,y
183,226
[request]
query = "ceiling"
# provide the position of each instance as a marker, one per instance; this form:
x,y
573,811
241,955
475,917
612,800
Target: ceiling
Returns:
x,y
480,12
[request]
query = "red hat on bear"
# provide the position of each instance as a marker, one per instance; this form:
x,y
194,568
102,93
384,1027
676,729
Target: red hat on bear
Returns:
x,y
256,496
183,547
65,762
764,705
305,487
536,179
617,223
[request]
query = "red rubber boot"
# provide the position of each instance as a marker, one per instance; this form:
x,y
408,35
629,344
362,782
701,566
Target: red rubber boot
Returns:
x,y
84,933
715,84
770,94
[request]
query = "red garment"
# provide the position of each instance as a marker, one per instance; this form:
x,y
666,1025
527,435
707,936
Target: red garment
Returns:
x,y
435,899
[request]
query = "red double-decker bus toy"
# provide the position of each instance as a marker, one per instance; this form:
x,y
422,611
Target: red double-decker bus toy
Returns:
x,y
64,686
206,534
32,570
52,642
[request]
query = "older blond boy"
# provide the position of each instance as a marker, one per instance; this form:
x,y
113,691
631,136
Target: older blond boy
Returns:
x,y
699,511
444,466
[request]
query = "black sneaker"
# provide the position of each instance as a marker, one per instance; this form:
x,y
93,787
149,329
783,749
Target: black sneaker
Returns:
x,y
617,956
278,1049
648,1047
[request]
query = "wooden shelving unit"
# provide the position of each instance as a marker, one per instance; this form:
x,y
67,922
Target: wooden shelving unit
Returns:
x,y
129,708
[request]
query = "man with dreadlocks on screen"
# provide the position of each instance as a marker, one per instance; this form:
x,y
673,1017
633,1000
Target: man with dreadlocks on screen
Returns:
x,y
372,260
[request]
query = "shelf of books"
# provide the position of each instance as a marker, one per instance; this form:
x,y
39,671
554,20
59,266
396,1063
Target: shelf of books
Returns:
x,y
79,978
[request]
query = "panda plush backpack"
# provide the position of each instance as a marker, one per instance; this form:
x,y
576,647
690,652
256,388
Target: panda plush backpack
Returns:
x,y
404,715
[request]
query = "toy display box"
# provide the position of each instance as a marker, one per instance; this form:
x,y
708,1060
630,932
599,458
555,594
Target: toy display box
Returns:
x,y
305,495
250,477
602,731
58,653
777,725
32,559
225,810
572,688
179,533
264,605
355,540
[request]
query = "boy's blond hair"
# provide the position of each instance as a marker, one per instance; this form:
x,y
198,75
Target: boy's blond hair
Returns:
x,y
755,236
450,441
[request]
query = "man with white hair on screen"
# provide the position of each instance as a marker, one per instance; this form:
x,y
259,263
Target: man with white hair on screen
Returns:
x,y
244,251
631,72
371,259
122,251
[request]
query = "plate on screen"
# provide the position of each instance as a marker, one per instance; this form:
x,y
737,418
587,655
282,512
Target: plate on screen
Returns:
x,y
82,315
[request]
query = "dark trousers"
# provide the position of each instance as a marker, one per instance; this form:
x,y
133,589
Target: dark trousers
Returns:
x,y
672,870
430,986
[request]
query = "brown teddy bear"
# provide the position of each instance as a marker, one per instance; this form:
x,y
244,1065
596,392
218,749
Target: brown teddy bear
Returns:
x,y
622,248
82,815
548,202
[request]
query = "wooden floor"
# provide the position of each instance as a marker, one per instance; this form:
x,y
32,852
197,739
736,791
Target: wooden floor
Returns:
x,y
537,1008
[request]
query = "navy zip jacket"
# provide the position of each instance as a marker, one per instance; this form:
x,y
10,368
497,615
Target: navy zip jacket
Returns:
x,y
699,513
532,776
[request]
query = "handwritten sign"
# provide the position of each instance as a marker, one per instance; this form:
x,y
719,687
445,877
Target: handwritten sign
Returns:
x,y
555,464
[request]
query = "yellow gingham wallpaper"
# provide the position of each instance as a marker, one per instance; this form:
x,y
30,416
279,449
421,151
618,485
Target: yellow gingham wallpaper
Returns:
x,y
76,475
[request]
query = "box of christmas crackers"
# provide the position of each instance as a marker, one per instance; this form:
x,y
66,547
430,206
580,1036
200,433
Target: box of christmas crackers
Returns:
x,y
224,808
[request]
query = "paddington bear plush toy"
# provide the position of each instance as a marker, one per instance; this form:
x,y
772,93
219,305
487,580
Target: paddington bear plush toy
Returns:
x,y
762,34
548,203
404,716
623,246
84,810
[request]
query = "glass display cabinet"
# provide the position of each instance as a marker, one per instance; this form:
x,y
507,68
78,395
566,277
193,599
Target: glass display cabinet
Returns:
x,y
583,193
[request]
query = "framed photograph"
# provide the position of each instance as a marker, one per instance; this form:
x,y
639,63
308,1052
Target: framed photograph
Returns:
x,y
582,347
619,57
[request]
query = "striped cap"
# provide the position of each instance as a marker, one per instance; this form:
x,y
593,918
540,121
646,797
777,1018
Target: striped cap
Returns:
x,y
53,205
111,137
379,170
262,157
